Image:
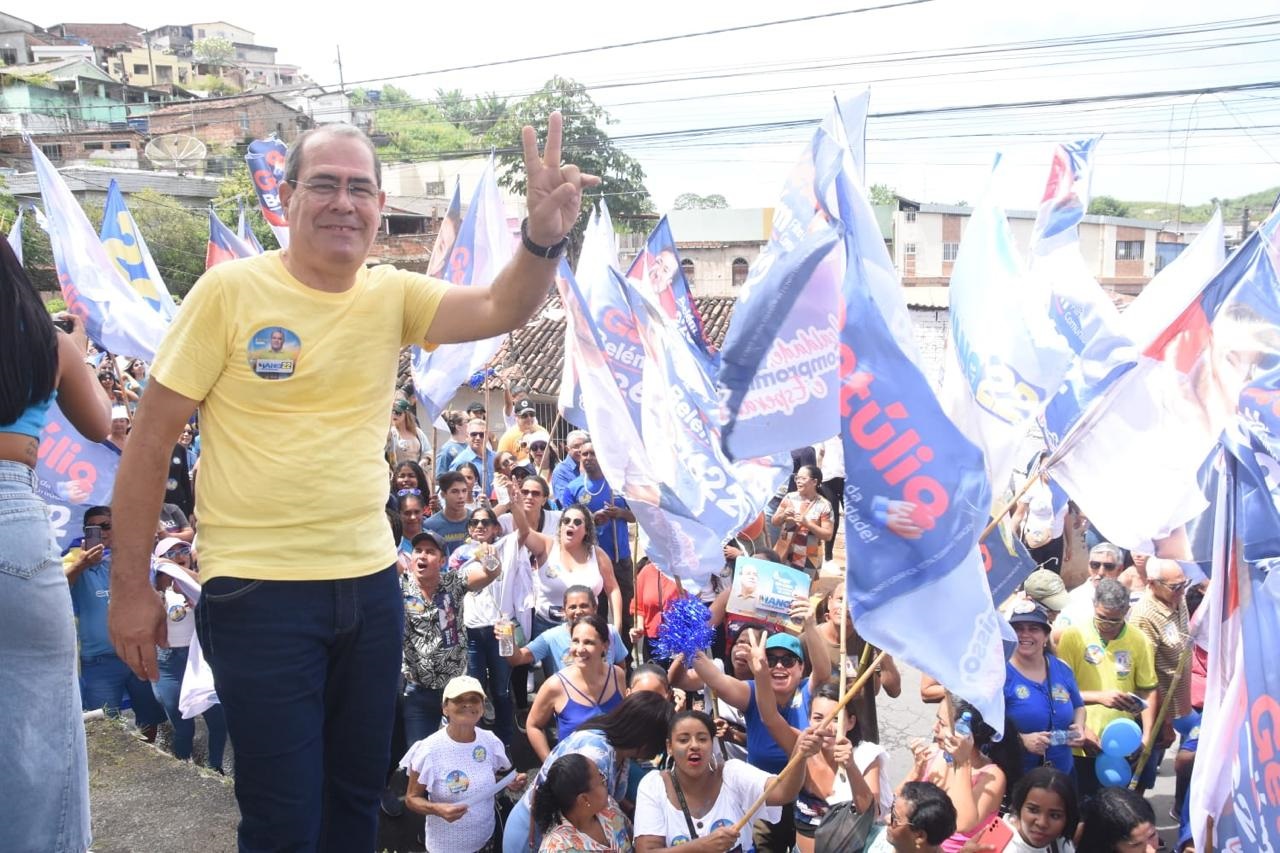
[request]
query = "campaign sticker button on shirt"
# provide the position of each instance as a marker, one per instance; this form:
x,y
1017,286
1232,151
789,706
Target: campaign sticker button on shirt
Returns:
x,y
1093,653
479,753
273,352
1022,692
457,782
1124,664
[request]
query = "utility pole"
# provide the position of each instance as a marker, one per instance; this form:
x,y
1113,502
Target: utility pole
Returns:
x,y
342,86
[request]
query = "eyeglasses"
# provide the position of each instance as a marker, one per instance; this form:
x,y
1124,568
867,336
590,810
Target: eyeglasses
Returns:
x,y
177,551
538,446
1095,564
404,492
572,522
532,493
1173,587
787,661
479,522
476,434
1109,622
359,191
893,817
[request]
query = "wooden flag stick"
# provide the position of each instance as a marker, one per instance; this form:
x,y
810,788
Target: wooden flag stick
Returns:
x,y
797,759
1160,717
844,661
995,519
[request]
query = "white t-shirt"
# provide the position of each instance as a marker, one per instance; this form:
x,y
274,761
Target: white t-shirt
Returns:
x,y
867,755
742,784
449,770
550,521
179,618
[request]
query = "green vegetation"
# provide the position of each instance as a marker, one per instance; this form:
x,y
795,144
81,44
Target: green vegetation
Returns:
x,y
693,201
1259,205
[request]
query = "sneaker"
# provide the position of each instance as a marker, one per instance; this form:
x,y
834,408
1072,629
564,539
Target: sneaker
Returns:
x,y
149,733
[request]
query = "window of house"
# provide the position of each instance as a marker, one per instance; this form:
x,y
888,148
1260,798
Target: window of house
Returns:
x,y
910,215
1129,250
433,188
52,151
139,69
740,270
8,56
93,146
121,145
950,251
686,267
164,73
199,34
908,248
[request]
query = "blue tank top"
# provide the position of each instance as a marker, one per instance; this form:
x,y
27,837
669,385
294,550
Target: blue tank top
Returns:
x,y
576,713
31,421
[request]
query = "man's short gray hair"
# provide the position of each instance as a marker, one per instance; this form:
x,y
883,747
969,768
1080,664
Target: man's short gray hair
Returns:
x,y
577,436
293,162
1111,594
1108,548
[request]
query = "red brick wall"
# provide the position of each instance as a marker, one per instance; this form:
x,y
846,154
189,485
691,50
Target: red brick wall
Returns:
x,y
223,123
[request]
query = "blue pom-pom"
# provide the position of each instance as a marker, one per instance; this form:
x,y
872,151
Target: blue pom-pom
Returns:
x,y
685,629
477,379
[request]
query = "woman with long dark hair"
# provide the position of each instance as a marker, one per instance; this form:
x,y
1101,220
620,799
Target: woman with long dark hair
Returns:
x,y
575,813
635,730
1117,820
44,790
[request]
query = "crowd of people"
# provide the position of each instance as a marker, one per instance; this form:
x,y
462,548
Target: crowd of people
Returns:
x,y
484,591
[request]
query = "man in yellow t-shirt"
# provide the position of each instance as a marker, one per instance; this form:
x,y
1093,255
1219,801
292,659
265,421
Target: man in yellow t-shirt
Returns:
x,y
526,424
291,357
1112,663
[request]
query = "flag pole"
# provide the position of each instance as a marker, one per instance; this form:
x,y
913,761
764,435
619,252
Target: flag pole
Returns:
x,y
543,471
995,518
844,661
796,760
1160,717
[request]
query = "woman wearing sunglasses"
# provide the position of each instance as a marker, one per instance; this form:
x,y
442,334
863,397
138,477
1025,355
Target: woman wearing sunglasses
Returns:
x,y
570,558
485,547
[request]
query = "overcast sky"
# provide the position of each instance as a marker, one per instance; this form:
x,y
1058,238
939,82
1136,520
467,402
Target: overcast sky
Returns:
x,y
1190,148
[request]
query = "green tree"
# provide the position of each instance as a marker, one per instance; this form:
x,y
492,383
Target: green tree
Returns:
x,y
37,253
237,187
693,201
409,129
883,194
584,143
216,51
1105,205
476,116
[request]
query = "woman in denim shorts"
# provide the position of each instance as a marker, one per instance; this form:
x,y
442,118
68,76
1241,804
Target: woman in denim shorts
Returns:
x,y
44,786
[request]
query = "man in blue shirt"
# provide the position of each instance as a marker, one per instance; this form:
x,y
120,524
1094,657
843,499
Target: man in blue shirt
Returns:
x,y
450,524
568,470
612,514
477,452
105,676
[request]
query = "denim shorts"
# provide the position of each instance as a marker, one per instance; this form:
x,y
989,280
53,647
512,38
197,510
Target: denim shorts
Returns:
x,y
44,787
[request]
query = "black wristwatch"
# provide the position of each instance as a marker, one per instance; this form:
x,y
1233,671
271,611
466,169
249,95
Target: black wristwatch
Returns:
x,y
533,248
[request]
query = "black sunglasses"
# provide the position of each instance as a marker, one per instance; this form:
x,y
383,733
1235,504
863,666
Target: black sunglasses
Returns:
x,y
1094,564
788,660
476,434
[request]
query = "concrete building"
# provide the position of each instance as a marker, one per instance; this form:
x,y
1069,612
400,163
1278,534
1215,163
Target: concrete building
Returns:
x,y
717,246
1120,252
229,122
91,183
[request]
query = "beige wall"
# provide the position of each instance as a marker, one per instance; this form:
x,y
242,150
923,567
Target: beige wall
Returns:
x,y
713,267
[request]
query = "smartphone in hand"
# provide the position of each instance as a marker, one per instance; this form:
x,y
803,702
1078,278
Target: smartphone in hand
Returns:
x,y
92,536
997,833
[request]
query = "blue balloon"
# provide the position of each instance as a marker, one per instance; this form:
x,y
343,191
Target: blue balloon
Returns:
x,y
1121,737
1113,771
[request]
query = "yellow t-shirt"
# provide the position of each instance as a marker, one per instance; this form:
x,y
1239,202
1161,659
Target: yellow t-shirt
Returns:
x,y
296,387
510,442
1126,663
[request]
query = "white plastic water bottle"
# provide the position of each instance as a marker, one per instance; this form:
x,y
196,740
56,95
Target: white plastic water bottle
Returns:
x,y
963,728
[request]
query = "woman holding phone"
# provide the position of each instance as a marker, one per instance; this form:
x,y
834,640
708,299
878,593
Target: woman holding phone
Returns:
x,y
44,790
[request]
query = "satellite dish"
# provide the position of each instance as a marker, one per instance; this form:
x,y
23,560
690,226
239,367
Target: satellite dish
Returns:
x,y
176,151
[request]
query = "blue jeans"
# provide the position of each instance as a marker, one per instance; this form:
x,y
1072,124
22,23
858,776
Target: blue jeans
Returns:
x,y
44,780
493,671
422,707
307,673
106,678
173,664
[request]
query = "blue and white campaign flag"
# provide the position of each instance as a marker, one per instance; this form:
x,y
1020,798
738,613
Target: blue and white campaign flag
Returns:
x,y
481,251
115,317
916,490
127,247
1006,561
1005,360
15,236
778,375
599,252
448,233
246,233
703,498
73,474
266,159
658,268
1155,427
570,399
1174,287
